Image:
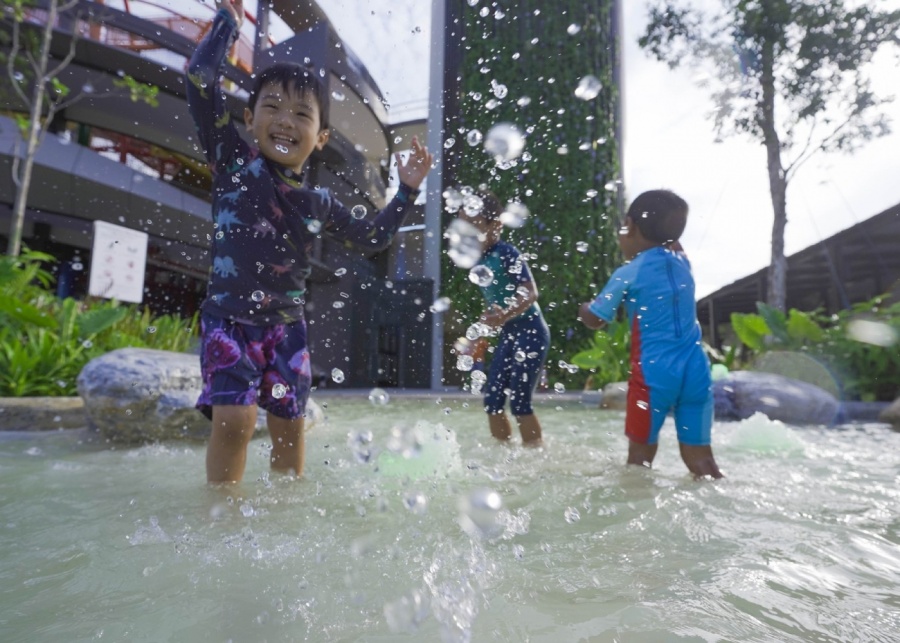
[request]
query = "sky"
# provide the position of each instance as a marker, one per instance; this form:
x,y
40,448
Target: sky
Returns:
x,y
669,142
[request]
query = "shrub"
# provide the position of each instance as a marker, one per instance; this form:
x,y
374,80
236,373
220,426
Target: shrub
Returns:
x,y
866,363
46,341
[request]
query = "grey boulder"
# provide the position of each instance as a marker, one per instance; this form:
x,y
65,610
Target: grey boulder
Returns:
x,y
135,395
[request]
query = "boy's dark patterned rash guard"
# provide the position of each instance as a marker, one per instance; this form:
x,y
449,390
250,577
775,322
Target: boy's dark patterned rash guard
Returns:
x,y
265,218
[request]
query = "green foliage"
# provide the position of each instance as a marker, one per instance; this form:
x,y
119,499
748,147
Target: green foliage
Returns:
x,y
608,355
808,59
728,359
868,368
751,329
530,52
137,91
45,341
868,371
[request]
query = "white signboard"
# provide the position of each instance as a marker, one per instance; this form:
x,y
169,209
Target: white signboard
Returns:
x,y
118,263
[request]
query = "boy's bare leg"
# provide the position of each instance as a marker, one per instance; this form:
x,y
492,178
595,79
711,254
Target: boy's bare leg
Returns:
x,y
700,461
226,453
641,454
500,426
530,428
288,444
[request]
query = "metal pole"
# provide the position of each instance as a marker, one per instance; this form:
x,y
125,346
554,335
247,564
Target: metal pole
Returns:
x,y
433,232
618,33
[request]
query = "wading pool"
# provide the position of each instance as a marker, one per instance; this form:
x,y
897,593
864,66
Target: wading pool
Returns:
x,y
801,541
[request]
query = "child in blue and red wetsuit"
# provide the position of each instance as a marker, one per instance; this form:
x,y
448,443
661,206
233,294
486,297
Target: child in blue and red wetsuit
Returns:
x,y
254,349
669,370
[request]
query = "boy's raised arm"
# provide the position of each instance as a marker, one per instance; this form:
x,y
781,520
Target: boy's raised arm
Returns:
x,y
377,234
206,102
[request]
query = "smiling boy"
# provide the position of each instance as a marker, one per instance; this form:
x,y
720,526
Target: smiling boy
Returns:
x,y
266,218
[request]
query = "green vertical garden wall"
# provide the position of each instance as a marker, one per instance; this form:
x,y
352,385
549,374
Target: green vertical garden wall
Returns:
x,y
567,176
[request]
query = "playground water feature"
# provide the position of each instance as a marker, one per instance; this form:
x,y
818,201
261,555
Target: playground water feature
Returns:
x,y
800,542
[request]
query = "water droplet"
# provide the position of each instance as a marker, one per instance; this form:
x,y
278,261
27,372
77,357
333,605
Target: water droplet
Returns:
x,y
588,88
338,96
450,142
340,272
337,375
582,246
87,343
453,199
520,356
479,513
358,211
524,101
474,137
220,234
591,193
257,295
281,148
571,515
360,444
279,390
573,29
416,502
481,276
151,329
337,304
314,226
872,332
559,387
441,304
477,330
464,363
514,215
464,245
504,142
379,397
500,90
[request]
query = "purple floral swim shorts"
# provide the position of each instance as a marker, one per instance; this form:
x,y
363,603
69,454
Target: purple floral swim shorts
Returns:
x,y
244,365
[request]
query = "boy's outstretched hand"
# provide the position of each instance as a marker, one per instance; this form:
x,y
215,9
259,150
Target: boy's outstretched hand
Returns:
x,y
234,7
589,319
417,166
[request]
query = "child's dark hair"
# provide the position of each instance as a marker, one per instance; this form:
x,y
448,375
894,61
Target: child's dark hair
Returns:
x,y
660,215
491,208
293,77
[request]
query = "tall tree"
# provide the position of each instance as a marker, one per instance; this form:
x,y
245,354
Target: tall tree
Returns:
x,y
791,74
29,59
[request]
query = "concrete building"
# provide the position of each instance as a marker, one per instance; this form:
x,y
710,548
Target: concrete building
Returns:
x,y
106,158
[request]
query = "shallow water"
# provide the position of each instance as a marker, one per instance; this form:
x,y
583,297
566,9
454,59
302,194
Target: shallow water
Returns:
x,y
801,542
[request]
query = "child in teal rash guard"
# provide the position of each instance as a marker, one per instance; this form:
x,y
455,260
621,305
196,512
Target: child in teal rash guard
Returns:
x,y
524,339
669,370
253,334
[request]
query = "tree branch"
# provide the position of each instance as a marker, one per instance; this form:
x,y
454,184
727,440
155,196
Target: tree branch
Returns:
x,y
68,58
809,153
11,60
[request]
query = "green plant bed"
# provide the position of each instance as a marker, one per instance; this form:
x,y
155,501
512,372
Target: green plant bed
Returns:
x,y
46,341
858,348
